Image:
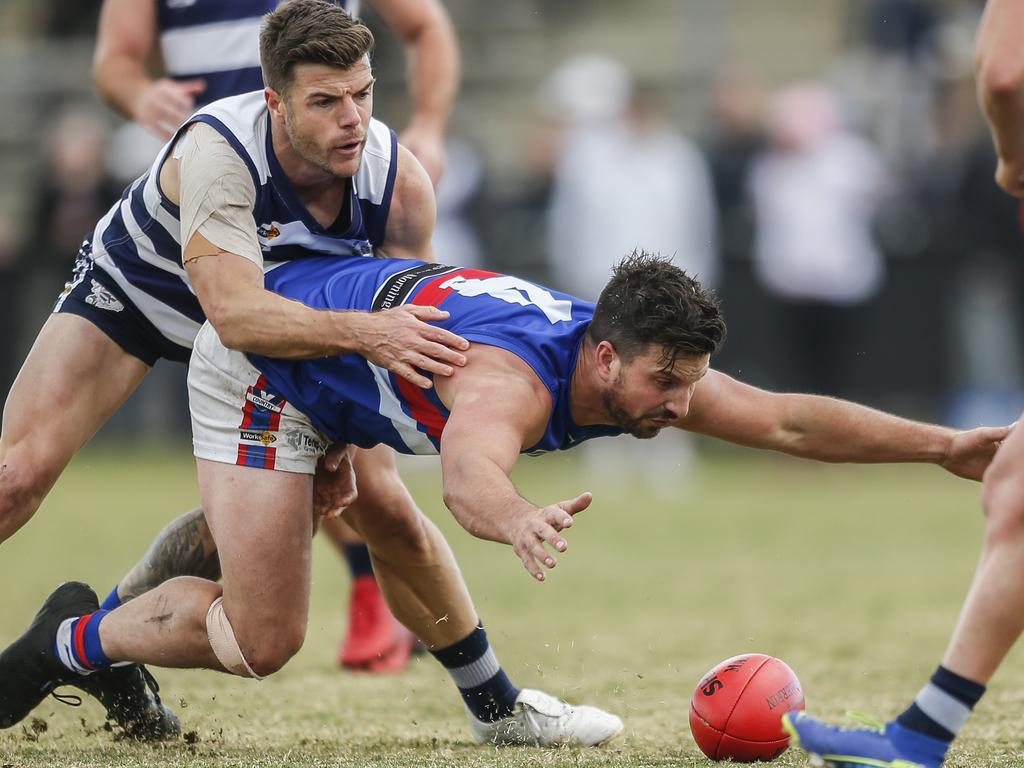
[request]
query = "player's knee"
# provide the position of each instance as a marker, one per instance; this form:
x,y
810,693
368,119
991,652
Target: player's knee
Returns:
x,y
250,650
1002,498
24,480
271,651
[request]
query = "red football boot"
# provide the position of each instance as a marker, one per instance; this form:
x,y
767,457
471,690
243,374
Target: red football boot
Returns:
x,y
371,638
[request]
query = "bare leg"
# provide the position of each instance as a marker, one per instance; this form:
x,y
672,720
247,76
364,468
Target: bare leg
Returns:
x,y
414,565
993,615
262,523
73,379
340,533
184,547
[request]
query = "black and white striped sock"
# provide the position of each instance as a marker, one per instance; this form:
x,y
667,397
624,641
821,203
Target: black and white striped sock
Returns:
x,y
943,705
484,686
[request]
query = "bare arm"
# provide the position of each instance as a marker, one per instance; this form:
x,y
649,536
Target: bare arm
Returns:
x,y
413,211
828,429
999,67
498,407
250,318
433,62
125,40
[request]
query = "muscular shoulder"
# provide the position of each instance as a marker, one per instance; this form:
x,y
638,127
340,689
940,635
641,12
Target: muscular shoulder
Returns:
x,y
202,157
501,384
413,208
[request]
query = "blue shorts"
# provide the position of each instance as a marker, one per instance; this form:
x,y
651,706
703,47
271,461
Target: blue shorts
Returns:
x,y
94,295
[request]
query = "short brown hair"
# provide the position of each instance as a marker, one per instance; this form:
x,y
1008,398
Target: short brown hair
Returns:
x,y
309,32
650,300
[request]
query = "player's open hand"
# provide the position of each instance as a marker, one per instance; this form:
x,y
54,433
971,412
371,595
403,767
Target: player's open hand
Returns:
x,y
334,484
403,340
971,451
544,527
165,104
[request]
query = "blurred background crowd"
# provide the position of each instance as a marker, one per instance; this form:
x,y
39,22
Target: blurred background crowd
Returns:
x,y
823,165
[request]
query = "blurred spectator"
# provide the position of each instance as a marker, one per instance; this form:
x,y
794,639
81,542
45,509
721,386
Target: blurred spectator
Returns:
x,y
11,306
735,136
624,179
815,192
73,192
456,240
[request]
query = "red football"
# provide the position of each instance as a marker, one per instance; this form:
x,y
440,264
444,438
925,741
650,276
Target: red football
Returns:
x,y
736,711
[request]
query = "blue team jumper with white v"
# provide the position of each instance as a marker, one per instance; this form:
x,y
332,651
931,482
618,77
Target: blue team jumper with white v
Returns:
x,y
217,41
136,245
353,401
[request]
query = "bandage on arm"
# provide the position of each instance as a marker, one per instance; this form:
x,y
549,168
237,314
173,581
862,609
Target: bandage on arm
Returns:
x,y
216,194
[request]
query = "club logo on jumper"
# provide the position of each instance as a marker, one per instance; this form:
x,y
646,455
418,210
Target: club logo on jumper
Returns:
x,y
101,298
268,231
264,437
304,442
396,289
264,400
513,290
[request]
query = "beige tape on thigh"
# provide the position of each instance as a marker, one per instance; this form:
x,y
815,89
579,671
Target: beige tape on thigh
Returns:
x,y
222,640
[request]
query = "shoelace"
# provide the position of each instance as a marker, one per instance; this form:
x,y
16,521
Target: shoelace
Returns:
x,y
67,698
867,722
151,682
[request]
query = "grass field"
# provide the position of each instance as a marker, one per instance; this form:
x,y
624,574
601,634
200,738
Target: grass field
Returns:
x,y
853,575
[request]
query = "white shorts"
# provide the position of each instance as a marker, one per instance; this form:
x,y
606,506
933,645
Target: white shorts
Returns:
x,y
238,419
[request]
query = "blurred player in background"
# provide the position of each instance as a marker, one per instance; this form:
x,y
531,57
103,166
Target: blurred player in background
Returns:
x,y
209,50
546,371
296,170
992,618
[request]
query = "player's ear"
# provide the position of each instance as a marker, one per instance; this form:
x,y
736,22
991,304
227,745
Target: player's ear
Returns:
x,y
275,102
606,360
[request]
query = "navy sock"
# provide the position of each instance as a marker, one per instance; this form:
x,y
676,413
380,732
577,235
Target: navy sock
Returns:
x,y
484,686
943,706
111,601
78,643
358,557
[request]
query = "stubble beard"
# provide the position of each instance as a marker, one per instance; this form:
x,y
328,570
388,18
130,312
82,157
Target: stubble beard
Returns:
x,y
612,399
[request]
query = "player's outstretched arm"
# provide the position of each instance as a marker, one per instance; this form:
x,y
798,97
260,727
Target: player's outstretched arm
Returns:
x,y
125,41
496,411
999,67
433,61
829,429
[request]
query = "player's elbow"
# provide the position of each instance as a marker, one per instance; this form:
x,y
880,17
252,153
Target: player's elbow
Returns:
x,y
999,78
232,327
456,499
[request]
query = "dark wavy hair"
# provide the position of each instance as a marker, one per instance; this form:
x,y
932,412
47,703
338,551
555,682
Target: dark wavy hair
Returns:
x,y
650,300
309,32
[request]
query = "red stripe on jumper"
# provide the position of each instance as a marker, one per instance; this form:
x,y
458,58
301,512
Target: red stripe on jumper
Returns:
x,y
431,294
424,411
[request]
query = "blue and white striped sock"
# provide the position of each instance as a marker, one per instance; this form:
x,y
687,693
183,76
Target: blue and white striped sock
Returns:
x,y
111,601
78,643
484,686
943,705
